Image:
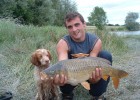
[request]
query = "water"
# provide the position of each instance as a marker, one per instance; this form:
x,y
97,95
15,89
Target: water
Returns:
x,y
124,33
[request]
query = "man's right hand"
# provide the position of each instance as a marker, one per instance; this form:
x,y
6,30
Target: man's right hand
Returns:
x,y
60,79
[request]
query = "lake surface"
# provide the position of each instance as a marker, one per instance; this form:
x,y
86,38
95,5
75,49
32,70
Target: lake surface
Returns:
x,y
127,33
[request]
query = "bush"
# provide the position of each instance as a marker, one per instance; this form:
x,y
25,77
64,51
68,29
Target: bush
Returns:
x,y
130,21
132,26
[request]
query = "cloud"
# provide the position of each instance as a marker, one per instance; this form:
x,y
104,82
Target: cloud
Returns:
x,y
116,10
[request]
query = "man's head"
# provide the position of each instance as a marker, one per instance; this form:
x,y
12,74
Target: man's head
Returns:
x,y
70,16
75,24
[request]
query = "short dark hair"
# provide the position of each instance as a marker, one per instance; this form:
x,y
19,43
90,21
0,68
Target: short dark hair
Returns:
x,y
71,15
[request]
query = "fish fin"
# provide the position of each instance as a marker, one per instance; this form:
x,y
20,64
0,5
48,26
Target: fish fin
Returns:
x,y
79,55
115,82
86,85
123,74
105,77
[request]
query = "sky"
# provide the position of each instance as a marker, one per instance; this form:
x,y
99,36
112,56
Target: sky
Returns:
x,y
116,10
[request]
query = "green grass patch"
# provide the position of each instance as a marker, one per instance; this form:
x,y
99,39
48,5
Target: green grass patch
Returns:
x,y
17,42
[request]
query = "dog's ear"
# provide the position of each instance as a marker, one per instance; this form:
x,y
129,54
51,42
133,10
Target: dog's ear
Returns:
x,y
34,59
49,54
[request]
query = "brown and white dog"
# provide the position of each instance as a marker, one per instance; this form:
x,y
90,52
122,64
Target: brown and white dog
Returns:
x,y
46,90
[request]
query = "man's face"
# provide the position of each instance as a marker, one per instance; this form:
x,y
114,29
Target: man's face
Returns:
x,y
76,29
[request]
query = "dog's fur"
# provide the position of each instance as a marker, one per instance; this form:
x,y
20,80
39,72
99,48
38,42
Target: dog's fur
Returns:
x,y
46,90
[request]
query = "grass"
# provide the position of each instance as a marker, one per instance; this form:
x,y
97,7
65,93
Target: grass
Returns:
x,y
109,28
17,42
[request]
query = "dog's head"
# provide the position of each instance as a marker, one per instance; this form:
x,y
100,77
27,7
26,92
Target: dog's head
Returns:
x,y
41,57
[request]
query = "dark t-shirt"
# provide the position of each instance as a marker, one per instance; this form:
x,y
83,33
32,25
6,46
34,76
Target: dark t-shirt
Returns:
x,y
85,46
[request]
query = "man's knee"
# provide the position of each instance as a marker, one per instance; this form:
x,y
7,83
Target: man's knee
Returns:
x,y
99,88
67,89
106,55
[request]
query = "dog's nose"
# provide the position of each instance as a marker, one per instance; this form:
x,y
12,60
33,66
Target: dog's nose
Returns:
x,y
47,61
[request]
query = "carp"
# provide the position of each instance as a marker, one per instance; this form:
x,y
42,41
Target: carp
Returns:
x,y
79,70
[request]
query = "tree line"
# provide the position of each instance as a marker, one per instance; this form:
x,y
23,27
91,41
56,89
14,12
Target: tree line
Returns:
x,y
37,12
98,18
52,12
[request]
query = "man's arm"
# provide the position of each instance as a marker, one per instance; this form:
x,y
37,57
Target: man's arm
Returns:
x,y
62,53
97,74
97,48
62,50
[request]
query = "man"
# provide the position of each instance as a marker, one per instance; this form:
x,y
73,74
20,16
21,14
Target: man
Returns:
x,y
78,41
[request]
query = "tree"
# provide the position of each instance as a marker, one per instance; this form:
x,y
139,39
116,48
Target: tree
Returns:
x,y
62,7
130,21
44,13
98,18
7,7
37,12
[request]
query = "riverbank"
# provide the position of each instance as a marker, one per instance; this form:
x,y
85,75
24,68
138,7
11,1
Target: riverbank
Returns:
x,y
17,42
124,33
129,88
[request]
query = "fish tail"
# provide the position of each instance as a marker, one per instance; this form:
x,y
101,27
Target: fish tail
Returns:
x,y
115,82
115,75
122,74
114,79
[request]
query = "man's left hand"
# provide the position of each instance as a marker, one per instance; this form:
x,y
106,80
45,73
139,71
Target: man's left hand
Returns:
x,y
96,75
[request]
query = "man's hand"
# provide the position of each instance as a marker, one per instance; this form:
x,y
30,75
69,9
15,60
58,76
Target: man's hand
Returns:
x,y
96,75
60,79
